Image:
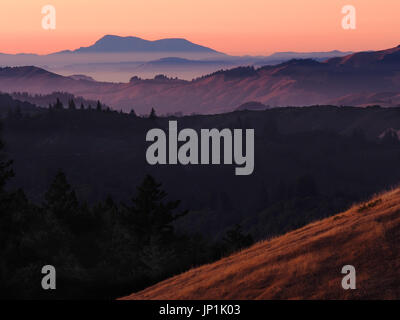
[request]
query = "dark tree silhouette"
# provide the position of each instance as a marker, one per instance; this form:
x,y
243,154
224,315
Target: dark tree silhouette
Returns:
x,y
59,104
150,214
153,114
71,104
5,167
235,239
99,106
60,199
391,137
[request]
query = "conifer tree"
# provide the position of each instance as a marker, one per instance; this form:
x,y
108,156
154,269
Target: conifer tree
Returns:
x,y
151,215
153,114
236,240
98,107
5,167
71,104
59,104
60,199
132,113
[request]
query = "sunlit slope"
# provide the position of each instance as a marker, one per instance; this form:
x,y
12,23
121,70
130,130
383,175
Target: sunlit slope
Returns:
x,y
305,263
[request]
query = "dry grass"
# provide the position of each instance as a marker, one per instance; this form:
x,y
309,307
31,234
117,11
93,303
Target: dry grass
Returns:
x,y
305,263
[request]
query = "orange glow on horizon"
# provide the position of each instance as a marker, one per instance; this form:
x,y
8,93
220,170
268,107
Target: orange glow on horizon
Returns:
x,y
256,27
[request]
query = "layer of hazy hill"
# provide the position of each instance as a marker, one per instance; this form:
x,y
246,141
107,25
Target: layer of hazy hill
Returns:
x,y
358,79
309,162
112,50
305,263
116,59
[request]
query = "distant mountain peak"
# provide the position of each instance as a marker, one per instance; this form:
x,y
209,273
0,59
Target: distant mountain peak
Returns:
x,y
118,44
112,37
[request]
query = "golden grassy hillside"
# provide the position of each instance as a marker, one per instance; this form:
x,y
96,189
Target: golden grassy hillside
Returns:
x,y
305,263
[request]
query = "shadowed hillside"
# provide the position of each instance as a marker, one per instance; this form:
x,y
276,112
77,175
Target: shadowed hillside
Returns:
x,y
305,263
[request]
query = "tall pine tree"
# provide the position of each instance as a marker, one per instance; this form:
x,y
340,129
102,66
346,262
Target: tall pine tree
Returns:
x,y
151,215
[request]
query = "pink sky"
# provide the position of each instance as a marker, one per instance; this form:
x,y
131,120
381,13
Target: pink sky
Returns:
x,y
235,27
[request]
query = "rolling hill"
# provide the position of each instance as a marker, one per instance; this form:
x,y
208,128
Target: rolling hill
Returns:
x,y
115,58
364,77
305,263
